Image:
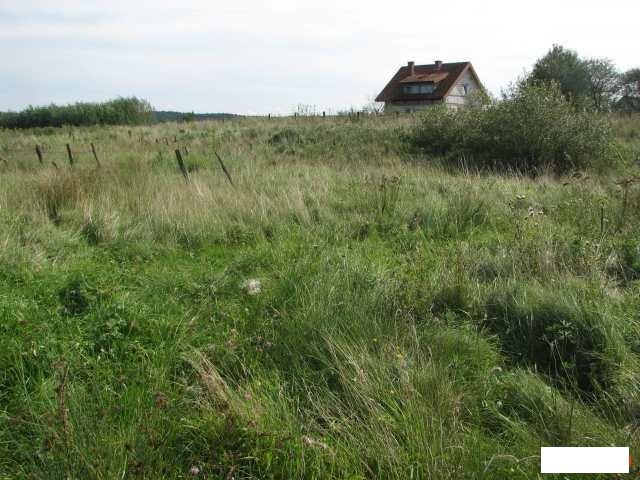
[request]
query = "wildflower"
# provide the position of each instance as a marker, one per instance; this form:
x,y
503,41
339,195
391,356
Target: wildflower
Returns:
x,y
194,471
252,286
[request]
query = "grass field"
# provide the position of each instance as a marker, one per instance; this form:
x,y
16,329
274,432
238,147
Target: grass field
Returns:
x,y
347,309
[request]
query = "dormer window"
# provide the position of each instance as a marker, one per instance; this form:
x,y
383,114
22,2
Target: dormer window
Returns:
x,y
417,89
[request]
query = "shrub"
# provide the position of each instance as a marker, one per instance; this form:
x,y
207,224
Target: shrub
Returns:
x,y
532,127
121,111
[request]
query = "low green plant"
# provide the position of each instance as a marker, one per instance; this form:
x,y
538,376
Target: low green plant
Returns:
x,y
533,127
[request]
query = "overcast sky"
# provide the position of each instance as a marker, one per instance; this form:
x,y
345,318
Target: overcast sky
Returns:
x,y
267,56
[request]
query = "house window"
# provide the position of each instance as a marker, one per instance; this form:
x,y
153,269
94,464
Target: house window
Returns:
x,y
427,88
419,89
465,89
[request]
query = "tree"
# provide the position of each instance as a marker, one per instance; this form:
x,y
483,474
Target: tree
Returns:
x,y
604,83
629,101
188,117
590,84
564,67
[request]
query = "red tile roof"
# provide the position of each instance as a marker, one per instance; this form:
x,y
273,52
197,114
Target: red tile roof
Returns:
x,y
425,77
444,77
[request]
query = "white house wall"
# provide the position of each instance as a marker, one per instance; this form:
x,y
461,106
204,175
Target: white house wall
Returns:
x,y
457,96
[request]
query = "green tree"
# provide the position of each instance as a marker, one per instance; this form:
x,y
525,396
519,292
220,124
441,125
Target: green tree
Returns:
x,y
121,111
564,67
604,83
188,117
629,101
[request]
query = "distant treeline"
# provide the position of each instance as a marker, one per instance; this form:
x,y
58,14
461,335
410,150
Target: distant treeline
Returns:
x,y
168,116
121,111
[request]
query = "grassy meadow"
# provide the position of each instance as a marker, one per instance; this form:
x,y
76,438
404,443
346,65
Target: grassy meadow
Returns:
x,y
348,308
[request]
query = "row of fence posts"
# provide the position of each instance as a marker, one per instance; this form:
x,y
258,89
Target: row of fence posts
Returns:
x,y
324,115
185,171
181,163
40,155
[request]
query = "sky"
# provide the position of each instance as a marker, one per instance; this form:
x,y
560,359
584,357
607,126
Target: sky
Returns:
x,y
269,56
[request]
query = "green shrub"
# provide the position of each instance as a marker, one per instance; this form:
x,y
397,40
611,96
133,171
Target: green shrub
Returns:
x,y
121,111
532,127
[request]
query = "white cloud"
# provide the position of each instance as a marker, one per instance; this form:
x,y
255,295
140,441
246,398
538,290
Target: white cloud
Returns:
x,y
263,56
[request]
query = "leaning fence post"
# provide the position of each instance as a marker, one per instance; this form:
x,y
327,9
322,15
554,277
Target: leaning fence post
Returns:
x,y
39,153
70,154
224,169
95,155
183,168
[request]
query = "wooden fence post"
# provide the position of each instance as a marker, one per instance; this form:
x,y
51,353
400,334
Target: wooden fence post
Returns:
x,y
181,165
95,155
70,154
224,169
39,153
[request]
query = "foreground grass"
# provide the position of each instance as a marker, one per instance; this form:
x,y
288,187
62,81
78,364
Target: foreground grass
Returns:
x,y
410,321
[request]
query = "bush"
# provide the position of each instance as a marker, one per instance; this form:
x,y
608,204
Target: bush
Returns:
x,y
532,127
121,111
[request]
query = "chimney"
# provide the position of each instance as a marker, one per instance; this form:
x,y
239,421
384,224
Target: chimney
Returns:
x,y
412,68
438,64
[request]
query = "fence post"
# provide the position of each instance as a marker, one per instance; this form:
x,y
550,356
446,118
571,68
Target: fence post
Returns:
x,y
95,155
181,165
70,154
224,169
39,153
324,114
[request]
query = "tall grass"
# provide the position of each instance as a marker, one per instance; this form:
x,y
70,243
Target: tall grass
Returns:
x,y
411,321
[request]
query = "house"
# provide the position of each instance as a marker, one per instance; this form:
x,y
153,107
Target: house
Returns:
x,y
415,87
